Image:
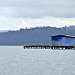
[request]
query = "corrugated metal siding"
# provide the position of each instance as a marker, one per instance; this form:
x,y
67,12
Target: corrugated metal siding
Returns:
x,y
56,41
67,41
63,41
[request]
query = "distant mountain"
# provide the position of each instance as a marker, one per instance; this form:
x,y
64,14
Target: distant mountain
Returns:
x,y
71,27
33,36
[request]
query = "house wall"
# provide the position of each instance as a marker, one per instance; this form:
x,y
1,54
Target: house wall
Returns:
x,y
56,41
63,41
67,41
56,38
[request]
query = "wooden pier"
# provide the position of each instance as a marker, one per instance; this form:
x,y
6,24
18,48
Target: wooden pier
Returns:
x,y
48,47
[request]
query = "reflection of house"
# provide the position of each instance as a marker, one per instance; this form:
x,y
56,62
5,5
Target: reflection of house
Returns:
x,y
63,40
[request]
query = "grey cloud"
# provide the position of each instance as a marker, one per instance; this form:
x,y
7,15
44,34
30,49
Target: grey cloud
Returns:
x,y
38,8
41,12
36,3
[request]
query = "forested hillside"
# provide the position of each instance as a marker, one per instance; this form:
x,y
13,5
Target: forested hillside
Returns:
x,y
33,36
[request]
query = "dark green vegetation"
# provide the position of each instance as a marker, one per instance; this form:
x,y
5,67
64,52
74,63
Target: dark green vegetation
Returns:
x,y
33,36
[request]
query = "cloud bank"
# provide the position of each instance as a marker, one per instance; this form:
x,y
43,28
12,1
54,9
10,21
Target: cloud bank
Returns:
x,y
38,8
16,14
7,23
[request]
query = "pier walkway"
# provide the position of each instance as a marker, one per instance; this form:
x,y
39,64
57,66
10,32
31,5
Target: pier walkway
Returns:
x,y
48,47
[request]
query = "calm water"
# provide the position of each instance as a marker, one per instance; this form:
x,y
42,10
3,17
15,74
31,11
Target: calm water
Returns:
x,y
14,60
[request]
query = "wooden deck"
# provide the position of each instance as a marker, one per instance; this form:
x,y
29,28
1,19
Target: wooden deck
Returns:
x,y
48,47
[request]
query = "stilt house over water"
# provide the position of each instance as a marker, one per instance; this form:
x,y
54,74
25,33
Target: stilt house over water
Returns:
x,y
63,40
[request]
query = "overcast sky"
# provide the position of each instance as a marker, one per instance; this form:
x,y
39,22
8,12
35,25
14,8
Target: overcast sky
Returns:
x,y
16,14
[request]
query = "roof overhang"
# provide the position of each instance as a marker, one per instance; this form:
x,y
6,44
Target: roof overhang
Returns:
x,y
64,36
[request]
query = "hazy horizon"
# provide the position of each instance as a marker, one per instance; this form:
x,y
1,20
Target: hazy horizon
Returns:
x,y
35,27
